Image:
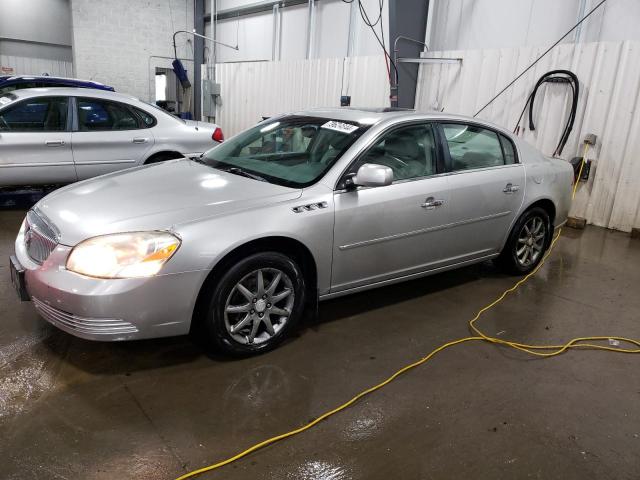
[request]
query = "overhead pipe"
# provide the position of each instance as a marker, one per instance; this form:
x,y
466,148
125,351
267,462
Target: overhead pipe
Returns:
x,y
354,15
275,40
175,51
311,28
211,71
395,86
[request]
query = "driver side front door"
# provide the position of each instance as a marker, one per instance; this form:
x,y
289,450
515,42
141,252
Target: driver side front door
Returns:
x,y
393,231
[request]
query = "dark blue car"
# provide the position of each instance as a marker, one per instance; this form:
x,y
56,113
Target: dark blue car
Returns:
x,y
7,83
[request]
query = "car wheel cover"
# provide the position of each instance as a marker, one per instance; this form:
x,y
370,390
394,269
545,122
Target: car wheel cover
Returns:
x,y
259,306
530,243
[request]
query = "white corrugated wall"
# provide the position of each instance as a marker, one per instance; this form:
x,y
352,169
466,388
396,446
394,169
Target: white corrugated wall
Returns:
x,y
609,75
36,66
251,90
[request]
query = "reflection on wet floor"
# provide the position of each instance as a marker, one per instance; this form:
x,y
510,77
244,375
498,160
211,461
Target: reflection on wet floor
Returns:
x,y
316,470
154,409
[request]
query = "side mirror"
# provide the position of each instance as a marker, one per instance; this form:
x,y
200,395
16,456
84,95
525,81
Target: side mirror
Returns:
x,y
373,175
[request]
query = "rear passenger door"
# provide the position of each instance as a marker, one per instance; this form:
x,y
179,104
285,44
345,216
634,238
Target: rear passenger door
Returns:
x,y
107,136
486,187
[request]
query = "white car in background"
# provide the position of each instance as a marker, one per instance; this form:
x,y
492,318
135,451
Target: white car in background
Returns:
x,y
53,136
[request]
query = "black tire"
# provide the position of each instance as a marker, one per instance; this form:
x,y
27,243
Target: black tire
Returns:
x,y
509,259
217,325
163,157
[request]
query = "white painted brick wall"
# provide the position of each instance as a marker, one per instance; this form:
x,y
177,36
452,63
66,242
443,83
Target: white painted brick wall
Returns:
x,y
113,41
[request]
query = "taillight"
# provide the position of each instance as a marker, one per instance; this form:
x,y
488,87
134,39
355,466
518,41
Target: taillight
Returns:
x,y
217,136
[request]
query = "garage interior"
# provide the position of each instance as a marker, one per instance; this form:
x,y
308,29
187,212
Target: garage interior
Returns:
x,y
162,408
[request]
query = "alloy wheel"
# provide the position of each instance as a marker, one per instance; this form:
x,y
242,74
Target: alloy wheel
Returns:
x,y
530,244
259,306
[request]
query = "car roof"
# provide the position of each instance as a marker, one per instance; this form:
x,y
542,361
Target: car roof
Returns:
x,y
372,116
72,92
48,78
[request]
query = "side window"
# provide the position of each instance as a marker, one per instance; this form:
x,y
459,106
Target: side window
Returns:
x,y
96,115
54,84
148,120
508,149
409,151
472,147
24,84
40,114
8,88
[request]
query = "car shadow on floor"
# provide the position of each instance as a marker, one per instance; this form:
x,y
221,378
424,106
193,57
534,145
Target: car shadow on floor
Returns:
x,y
362,302
113,358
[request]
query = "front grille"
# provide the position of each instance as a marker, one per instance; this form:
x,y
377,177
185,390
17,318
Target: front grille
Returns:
x,y
93,326
39,237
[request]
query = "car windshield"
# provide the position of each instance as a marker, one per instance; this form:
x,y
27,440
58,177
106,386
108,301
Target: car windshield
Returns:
x,y
293,151
8,88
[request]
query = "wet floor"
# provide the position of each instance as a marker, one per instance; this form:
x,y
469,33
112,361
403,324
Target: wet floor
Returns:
x,y
73,409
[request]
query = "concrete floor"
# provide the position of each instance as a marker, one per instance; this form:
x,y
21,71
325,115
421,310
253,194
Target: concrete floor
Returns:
x,y
154,409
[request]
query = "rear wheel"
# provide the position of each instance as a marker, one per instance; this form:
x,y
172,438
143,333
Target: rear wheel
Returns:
x,y
528,241
256,303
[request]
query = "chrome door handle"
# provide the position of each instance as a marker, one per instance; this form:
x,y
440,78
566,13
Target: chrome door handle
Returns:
x,y
431,203
54,143
140,140
510,188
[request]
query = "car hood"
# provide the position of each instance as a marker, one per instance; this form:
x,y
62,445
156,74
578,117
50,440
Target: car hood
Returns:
x,y
154,197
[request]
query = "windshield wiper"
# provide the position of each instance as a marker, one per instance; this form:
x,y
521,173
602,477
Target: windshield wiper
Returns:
x,y
244,173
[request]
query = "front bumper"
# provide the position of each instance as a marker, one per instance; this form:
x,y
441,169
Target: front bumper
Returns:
x,y
104,309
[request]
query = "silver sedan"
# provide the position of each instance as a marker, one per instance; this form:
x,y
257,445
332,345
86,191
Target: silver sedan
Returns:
x,y
52,136
300,208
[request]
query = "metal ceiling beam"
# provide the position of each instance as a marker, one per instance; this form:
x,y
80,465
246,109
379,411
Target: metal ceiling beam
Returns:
x,y
430,60
257,7
198,57
407,20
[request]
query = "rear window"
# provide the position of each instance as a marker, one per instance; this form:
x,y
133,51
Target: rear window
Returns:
x,y
102,115
147,119
509,150
472,147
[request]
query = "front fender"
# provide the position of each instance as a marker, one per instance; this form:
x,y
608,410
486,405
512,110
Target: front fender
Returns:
x,y
206,242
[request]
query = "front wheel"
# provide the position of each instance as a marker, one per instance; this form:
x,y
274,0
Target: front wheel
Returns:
x,y
528,241
255,304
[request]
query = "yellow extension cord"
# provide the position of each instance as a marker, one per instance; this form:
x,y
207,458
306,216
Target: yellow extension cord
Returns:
x,y
538,350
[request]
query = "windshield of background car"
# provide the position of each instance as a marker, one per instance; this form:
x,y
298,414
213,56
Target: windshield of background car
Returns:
x,y
294,151
8,88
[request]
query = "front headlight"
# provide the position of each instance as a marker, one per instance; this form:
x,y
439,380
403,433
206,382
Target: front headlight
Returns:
x,y
123,255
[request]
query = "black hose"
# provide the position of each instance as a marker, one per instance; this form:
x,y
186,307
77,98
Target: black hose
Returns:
x,y
554,76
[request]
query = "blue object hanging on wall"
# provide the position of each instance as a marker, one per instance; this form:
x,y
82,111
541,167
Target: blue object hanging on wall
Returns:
x,y
181,73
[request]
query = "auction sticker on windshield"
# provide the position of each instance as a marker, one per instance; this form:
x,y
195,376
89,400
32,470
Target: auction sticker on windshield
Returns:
x,y
340,126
